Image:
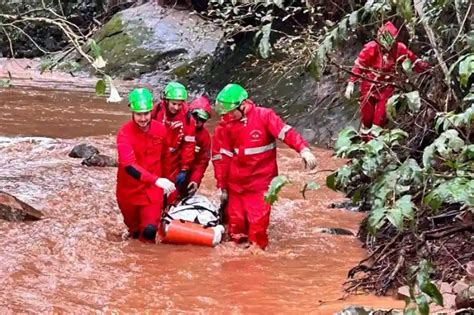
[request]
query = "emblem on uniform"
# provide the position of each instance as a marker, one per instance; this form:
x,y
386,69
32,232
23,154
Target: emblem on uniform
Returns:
x,y
255,135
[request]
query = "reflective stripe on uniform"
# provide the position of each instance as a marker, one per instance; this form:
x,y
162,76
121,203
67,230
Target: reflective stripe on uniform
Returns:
x,y
190,138
172,149
228,153
216,157
258,150
197,149
283,132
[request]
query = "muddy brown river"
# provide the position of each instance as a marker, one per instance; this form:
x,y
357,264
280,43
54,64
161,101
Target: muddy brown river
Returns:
x,y
78,260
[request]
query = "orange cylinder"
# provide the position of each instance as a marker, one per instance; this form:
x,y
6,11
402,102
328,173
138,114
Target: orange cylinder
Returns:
x,y
184,232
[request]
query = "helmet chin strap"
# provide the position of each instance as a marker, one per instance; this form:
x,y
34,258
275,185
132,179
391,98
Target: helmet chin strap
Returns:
x,y
241,110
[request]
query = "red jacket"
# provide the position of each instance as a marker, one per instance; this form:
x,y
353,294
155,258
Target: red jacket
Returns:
x,y
142,160
182,141
219,172
249,148
376,64
202,155
203,143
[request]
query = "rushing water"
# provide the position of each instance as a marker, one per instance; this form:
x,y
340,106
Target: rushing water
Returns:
x,y
78,259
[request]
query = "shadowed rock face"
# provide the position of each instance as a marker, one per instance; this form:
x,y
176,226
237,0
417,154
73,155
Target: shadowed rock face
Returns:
x,y
15,210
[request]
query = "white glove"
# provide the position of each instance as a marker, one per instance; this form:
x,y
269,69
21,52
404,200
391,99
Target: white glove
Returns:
x,y
349,90
308,158
224,196
166,185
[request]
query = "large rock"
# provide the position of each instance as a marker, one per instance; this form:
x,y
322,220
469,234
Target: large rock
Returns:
x,y
150,38
13,209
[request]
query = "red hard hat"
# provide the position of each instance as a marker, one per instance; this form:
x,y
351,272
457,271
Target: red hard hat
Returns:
x,y
201,103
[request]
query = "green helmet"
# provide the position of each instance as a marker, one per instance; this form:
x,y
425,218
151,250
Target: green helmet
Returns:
x,y
140,100
175,91
386,39
231,96
201,113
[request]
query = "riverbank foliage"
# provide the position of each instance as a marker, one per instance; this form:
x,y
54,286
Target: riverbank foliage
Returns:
x,y
416,178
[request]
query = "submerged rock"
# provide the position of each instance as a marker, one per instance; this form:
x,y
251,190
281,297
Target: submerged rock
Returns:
x,y
91,156
100,160
15,210
334,231
359,310
84,151
346,204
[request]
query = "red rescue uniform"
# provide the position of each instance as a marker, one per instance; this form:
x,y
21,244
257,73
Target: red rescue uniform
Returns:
x,y
182,141
250,158
216,144
142,160
203,143
202,155
376,64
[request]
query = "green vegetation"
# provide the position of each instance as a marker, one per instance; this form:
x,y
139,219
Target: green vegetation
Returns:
x,y
415,178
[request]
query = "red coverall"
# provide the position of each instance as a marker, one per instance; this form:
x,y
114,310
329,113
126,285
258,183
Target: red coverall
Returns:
x,y
182,140
203,143
219,173
142,160
249,155
376,64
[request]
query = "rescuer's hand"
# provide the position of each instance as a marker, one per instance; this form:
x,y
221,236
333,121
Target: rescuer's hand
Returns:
x,y
166,185
308,158
349,90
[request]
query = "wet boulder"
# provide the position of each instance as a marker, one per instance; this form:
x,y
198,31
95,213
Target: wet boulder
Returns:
x,y
152,39
15,210
83,151
91,156
100,160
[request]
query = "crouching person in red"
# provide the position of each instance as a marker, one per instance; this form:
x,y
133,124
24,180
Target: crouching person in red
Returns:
x,y
249,154
200,109
376,68
143,155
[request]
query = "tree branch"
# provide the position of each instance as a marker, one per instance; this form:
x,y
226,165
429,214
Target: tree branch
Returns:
x,y
419,4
